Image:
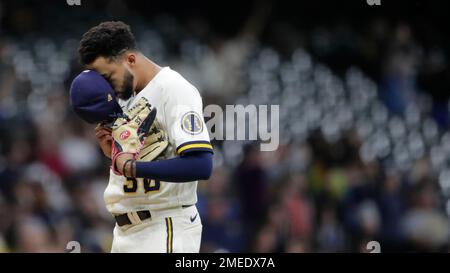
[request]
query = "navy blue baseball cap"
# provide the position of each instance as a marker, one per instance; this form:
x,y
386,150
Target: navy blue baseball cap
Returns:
x,y
93,99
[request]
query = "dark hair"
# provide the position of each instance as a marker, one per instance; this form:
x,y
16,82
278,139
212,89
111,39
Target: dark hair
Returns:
x,y
108,39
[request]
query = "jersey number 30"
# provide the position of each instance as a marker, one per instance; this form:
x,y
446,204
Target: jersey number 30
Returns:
x,y
131,185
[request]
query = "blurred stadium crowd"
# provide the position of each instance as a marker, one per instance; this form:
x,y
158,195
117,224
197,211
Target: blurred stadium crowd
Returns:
x,y
364,153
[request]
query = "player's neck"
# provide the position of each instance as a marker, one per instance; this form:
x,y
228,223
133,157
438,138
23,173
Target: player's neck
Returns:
x,y
147,72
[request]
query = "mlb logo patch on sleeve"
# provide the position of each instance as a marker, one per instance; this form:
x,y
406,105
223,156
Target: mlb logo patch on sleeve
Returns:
x,y
191,123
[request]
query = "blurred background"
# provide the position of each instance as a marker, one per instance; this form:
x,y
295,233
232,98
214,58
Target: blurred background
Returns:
x,y
364,122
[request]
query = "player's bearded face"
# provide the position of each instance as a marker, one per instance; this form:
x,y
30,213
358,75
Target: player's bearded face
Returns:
x,y
126,91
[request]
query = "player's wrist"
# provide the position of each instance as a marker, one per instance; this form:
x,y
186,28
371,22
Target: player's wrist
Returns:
x,y
120,164
129,168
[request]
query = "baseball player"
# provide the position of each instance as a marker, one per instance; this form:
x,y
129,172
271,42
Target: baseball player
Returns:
x,y
150,123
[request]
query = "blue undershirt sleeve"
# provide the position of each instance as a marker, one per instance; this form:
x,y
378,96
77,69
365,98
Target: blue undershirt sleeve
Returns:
x,y
192,166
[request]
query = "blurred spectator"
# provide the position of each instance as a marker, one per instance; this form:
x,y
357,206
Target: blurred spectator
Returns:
x,y
33,236
424,226
402,60
392,206
298,208
330,233
251,182
222,231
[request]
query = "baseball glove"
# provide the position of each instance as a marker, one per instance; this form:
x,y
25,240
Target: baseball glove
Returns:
x,y
138,133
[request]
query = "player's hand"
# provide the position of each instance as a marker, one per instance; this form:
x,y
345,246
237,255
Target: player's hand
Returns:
x,y
104,138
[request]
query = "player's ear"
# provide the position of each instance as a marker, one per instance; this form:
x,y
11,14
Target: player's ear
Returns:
x,y
130,58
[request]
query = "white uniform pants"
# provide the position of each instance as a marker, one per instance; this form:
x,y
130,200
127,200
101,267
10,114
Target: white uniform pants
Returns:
x,y
169,231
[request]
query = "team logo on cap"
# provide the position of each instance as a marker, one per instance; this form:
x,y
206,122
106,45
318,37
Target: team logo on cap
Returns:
x,y
109,97
125,135
191,123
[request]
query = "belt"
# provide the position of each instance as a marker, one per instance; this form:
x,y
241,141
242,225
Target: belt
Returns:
x,y
123,219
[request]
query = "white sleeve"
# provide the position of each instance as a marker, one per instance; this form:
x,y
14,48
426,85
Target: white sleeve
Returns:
x,y
184,119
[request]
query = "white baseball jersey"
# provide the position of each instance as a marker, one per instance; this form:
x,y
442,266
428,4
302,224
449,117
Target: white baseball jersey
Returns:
x,y
180,113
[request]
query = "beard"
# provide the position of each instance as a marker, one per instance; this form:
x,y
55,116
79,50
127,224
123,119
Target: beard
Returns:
x,y
127,88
